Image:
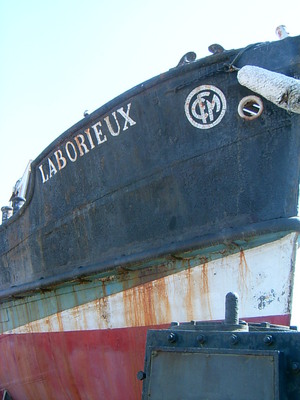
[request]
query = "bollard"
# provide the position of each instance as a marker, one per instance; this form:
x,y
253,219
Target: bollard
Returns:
x,y
6,213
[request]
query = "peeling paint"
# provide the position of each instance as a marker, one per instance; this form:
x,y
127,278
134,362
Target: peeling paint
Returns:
x,y
194,293
244,278
266,299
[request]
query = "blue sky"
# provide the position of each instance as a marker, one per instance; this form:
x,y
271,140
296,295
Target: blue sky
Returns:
x,y
61,57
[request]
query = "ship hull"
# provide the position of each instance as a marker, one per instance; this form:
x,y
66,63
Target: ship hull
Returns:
x,y
80,365
86,340
149,211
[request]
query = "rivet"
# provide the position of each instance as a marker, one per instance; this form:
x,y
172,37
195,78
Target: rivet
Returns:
x,y
172,338
141,375
234,339
268,340
201,339
295,367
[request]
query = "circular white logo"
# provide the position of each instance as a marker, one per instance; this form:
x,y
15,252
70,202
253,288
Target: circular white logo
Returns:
x,y
205,106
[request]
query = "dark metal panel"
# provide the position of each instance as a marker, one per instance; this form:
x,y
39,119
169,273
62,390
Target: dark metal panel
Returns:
x,y
263,362
215,375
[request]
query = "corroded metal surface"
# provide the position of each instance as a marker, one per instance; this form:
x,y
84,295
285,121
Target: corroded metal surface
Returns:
x,y
163,164
73,365
149,210
227,361
190,289
80,337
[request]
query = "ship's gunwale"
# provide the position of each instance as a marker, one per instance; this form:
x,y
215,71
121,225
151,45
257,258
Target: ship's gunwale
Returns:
x,y
267,231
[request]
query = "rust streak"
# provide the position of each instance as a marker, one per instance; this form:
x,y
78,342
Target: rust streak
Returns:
x,y
58,314
189,294
147,304
205,290
243,274
104,314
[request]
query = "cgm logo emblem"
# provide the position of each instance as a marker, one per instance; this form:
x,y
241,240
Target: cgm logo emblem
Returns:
x,y
205,106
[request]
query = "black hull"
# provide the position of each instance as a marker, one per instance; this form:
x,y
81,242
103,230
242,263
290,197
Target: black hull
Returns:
x,y
137,180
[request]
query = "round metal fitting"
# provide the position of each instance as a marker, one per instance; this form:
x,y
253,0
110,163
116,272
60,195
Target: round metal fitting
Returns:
x,y
141,375
268,340
201,339
295,367
172,338
250,107
234,339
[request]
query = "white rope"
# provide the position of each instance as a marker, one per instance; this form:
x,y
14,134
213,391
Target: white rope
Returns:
x,y
280,89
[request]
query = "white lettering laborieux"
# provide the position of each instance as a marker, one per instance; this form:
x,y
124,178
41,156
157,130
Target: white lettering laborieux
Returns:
x,y
82,143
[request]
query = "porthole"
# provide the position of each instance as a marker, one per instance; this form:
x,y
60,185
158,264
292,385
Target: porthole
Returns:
x,y
250,107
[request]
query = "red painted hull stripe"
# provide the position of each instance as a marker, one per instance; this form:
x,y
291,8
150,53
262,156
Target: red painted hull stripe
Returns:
x,y
93,365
